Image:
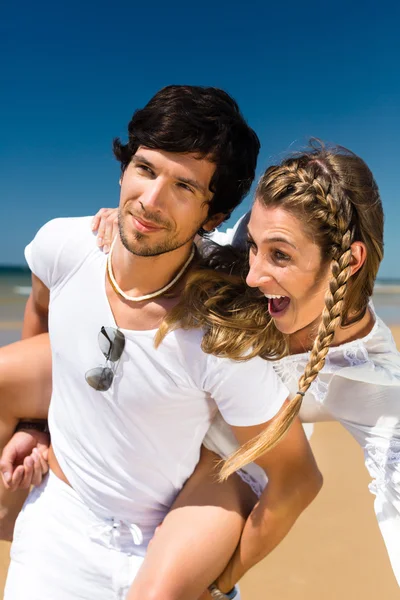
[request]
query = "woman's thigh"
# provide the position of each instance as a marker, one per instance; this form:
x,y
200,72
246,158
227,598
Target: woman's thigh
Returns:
x,y
197,538
25,391
25,381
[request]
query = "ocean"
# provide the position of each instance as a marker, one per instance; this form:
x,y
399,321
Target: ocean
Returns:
x,y
15,285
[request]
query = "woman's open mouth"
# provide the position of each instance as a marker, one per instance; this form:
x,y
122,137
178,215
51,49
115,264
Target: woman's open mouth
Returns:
x,y
277,305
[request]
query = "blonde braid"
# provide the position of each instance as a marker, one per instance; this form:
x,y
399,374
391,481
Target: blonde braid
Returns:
x,y
331,315
339,220
334,196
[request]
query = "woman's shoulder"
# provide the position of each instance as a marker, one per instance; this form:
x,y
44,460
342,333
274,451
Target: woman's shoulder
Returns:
x,y
375,353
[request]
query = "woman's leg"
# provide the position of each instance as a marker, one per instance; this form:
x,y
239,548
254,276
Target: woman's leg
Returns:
x,y
197,538
25,391
25,382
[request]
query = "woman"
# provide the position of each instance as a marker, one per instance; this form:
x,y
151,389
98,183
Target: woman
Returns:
x,y
316,225
315,240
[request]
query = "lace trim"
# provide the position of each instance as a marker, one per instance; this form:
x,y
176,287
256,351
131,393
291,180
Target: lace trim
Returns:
x,y
291,368
378,327
386,455
255,485
383,464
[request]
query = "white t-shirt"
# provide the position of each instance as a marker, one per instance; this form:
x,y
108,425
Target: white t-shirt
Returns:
x,y
359,387
128,451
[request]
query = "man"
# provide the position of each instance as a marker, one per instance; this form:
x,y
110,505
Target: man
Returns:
x,y
127,420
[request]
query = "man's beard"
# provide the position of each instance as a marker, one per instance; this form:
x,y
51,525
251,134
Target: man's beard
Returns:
x,y
167,245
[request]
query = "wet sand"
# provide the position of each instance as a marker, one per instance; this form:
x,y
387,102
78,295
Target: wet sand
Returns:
x,y
335,551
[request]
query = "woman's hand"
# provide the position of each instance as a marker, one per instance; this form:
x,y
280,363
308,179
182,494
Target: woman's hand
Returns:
x,y
105,222
24,459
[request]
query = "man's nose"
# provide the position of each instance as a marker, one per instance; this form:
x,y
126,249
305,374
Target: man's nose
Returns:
x,y
153,196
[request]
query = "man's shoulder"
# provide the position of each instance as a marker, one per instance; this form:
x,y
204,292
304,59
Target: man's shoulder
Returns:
x,y
58,247
64,232
66,226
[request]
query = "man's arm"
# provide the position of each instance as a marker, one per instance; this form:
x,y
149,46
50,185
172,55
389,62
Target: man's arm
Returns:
x,y
27,366
293,482
36,310
25,384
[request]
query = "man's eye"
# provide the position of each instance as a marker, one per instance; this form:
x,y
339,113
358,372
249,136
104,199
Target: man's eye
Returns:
x,y
144,169
185,187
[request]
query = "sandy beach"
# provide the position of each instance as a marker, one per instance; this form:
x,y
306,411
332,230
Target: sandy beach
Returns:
x,y
335,550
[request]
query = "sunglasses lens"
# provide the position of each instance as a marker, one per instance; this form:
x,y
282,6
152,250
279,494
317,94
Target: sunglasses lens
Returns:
x,y
100,378
112,343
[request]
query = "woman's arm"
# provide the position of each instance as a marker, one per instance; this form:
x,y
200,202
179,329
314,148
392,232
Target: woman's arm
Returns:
x,y
208,534
293,482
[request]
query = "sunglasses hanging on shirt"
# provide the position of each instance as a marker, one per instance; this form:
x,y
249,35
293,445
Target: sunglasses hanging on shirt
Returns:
x,y
112,344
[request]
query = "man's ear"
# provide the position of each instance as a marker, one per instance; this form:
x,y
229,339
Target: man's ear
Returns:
x,y
214,221
358,256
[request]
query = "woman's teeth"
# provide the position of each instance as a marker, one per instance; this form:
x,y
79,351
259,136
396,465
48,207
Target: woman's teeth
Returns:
x,y
277,304
273,296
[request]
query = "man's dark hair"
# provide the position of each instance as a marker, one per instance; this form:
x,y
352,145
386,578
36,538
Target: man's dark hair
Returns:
x,y
205,121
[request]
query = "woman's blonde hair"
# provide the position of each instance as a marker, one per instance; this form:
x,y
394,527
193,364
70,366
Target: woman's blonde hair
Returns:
x,y
332,192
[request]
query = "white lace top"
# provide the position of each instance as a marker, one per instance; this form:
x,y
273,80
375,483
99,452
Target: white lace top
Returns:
x,y
359,387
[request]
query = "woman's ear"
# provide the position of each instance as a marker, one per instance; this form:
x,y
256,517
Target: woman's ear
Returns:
x,y
358,256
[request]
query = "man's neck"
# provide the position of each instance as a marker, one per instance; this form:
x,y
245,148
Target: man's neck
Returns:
x,y
141,275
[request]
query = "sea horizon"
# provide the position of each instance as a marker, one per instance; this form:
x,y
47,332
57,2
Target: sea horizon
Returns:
x,y
24,270
15,287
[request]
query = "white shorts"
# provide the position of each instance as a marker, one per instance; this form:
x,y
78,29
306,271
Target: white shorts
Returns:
x,y
63,551
97,558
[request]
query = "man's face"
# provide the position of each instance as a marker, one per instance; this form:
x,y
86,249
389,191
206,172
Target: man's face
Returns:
x,y
164,201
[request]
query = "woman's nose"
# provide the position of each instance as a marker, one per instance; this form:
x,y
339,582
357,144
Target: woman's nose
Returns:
x,y
257,277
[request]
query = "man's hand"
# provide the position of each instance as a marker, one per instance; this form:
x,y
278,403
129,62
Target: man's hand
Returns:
x,y
24,459
105,222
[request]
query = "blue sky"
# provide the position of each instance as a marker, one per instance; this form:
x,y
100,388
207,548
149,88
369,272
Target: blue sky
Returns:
x,y
72,75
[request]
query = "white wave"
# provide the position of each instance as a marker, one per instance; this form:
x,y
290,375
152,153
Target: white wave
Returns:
x,y
22,290
386,288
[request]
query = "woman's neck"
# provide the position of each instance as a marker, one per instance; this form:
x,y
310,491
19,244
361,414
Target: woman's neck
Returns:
x,y
302,341
355,331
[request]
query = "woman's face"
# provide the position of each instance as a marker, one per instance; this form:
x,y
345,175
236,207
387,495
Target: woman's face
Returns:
x,y
286,266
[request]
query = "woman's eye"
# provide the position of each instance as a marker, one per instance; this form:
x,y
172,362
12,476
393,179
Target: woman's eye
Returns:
x,y
280,256
251,245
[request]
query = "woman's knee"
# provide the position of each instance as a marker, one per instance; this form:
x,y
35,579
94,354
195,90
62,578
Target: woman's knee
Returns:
x,y
25,378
